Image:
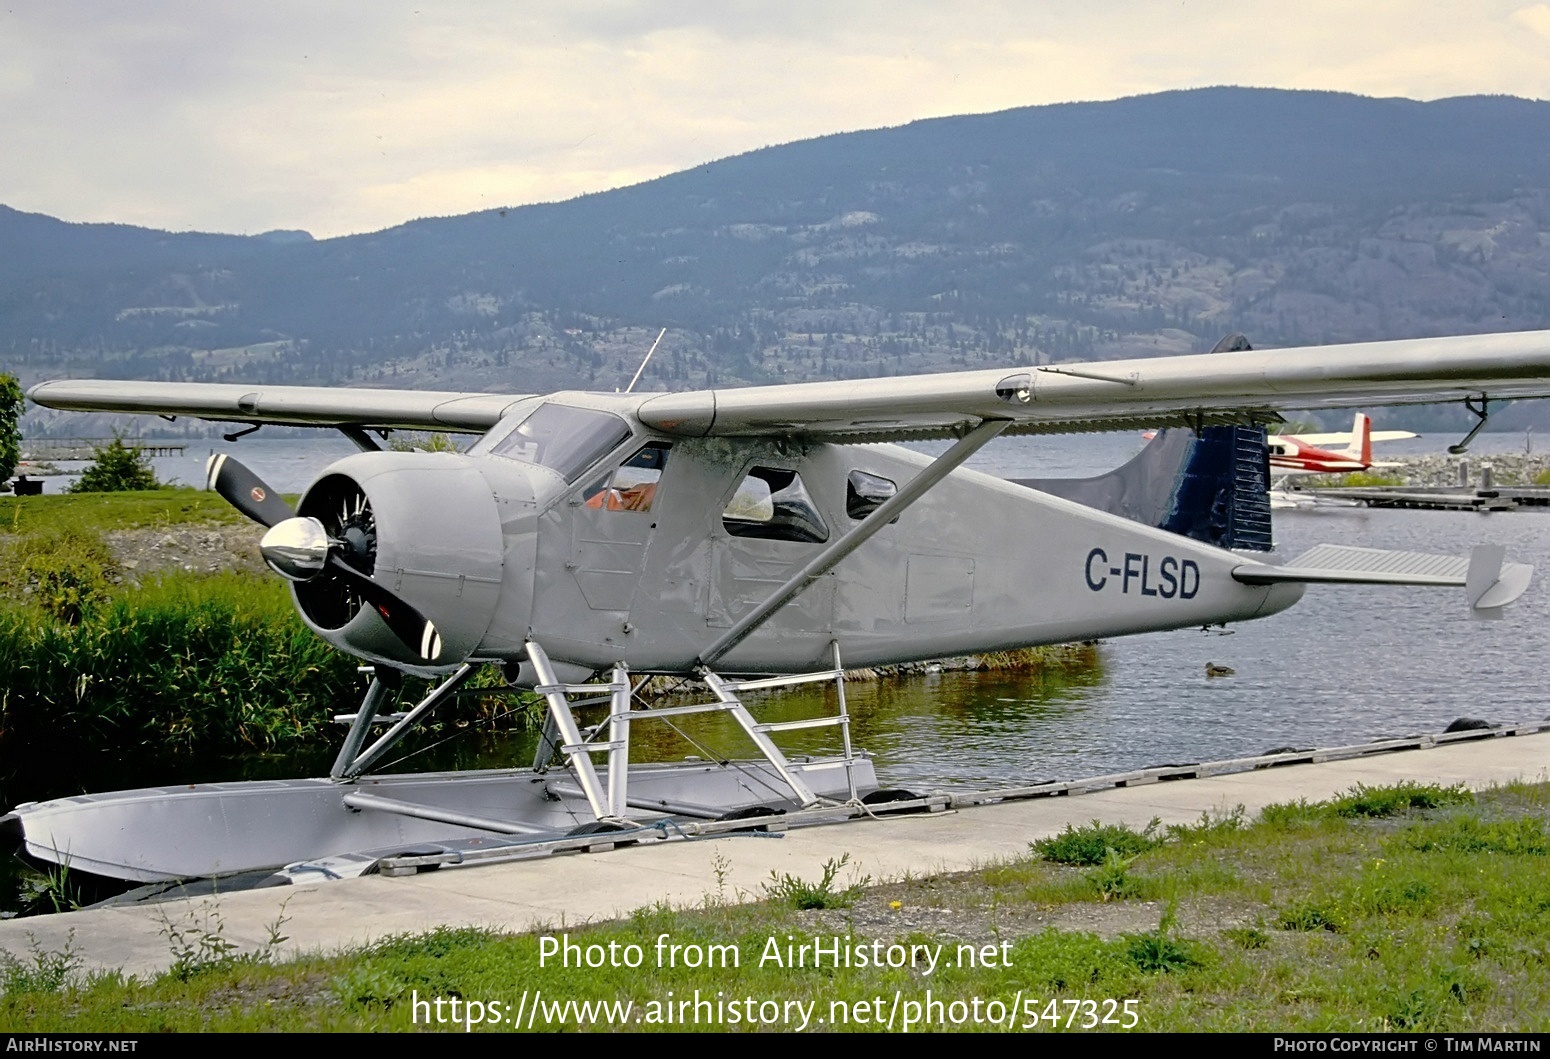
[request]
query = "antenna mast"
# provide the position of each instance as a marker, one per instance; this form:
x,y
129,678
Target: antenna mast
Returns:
x,y
643,363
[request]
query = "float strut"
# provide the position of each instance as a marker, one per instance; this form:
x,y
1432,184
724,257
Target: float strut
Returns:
x,y
439,694
360,727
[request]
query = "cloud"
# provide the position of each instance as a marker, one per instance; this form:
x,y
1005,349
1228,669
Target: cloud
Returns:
x,y
1536,19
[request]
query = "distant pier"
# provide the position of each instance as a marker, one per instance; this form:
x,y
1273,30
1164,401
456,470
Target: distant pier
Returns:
x,y
1467,495
85,448
1443,499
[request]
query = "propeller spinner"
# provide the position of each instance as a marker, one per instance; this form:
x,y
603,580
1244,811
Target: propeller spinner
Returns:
x,y
299,549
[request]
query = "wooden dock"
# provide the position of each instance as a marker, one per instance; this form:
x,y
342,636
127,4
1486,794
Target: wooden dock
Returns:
x,y
86,448
1444,498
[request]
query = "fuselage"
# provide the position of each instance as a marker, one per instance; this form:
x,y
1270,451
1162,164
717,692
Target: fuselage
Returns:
x,y
571,524
1289,454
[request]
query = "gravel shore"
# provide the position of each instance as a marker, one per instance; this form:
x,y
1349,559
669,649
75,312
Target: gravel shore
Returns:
x,y
1441,469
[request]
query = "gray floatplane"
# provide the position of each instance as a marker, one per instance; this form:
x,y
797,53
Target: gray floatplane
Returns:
x,y
749,538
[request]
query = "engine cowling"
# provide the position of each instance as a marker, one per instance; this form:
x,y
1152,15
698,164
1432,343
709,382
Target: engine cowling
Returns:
x,y
426,526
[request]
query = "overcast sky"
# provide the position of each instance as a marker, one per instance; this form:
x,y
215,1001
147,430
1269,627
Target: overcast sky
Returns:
x,y
337,118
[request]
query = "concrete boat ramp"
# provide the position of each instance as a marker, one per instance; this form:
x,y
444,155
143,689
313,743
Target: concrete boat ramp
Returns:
x,y
944,832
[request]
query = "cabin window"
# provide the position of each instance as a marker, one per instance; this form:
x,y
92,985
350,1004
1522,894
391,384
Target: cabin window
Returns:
x,y
865,493
773,504
633,487
565,440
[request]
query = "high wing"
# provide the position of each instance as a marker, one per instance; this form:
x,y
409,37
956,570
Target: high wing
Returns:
x,y
1197,390
1324,441
321,406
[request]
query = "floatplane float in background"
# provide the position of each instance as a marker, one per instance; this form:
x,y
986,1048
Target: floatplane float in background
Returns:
x,y
748,538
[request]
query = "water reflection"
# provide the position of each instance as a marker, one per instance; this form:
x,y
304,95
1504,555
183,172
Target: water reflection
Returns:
x,y
952,727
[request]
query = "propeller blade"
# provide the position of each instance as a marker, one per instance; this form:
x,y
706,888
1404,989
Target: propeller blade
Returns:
x,y
246,491
408,624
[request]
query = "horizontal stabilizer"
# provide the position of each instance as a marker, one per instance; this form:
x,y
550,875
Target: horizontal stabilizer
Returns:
x,y
1490,583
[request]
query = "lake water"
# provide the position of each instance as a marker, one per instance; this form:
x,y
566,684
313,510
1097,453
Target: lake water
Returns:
x,y
1346,664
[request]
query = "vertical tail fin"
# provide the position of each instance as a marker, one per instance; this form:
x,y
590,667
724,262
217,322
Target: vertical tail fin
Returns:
x,y
1214,487
1360,447
1360,444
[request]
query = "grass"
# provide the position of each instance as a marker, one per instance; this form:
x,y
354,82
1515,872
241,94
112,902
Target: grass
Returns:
x,y
102,512
1302,918
1354,480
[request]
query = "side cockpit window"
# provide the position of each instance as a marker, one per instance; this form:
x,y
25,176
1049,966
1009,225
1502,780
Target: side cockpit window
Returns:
x,y
633,487
565,440
865,493
773,504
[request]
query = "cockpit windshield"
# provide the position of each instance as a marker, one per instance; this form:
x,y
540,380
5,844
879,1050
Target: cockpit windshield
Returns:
x,y
566,440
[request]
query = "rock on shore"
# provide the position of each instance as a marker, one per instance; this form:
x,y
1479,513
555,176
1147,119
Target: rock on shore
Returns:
x,y
1441,469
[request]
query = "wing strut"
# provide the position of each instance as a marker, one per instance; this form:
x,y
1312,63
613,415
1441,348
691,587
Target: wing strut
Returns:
x,y
825,560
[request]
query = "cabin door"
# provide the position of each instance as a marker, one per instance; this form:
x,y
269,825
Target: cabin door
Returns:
x,y
612,526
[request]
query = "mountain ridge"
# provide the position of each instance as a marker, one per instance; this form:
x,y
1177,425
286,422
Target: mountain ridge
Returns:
x,y
1152,223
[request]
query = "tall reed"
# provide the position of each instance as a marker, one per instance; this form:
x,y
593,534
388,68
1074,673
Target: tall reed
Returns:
x,y
217,662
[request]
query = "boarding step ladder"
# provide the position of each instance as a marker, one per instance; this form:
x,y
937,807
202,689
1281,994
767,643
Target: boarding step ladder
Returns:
x,y
610,803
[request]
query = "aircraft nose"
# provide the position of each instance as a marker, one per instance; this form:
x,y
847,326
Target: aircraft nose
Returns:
x,y
296,548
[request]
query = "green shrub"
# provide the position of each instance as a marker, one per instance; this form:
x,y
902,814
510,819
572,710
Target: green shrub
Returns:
x,y
43,971
424,441
117,468
1112,878
1212,826
1299,814
803,895
1089,845
1157,952
1354,480
1363,800
179,664
1160,951
189,663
